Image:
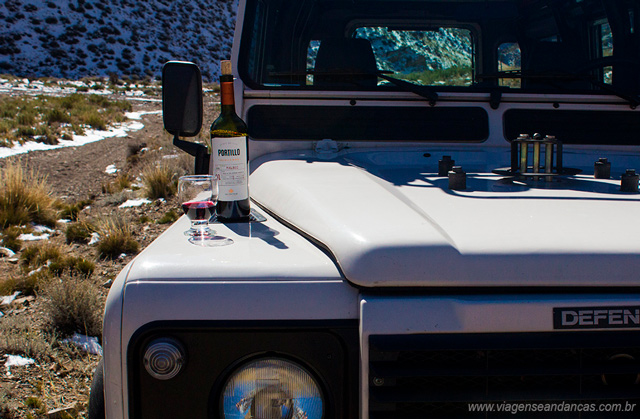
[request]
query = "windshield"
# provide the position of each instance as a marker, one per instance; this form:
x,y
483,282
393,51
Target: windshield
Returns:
x,y
528,45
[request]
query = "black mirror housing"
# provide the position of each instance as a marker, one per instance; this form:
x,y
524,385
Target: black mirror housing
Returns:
x,y
182,109
182,98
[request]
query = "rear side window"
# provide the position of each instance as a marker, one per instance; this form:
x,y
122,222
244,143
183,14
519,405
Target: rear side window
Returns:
x,y
509,63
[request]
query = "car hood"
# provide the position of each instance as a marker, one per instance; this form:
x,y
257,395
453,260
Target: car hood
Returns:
x,y
390,225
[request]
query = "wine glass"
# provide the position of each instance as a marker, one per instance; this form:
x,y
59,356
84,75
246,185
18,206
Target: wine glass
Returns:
x,y
198,195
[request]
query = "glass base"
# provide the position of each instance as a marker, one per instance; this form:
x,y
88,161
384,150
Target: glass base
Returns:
x,y
206,240
198,231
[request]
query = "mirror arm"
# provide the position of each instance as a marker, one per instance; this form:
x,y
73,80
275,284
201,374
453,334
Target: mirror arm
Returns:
x,y
199,151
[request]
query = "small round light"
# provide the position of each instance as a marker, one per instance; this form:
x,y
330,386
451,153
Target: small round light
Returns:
x,y
272,388
164,358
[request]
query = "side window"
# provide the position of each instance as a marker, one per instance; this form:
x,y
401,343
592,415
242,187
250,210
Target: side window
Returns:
x,y
312,53
256,52
509,61
441,56
604,43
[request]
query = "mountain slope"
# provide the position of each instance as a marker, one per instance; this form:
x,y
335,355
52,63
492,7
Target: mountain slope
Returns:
x,y
98,37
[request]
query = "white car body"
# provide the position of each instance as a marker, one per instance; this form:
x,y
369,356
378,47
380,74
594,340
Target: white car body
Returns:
x,y
367,233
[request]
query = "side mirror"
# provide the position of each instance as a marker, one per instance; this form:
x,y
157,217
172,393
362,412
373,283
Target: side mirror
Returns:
x,y
182,109
182,98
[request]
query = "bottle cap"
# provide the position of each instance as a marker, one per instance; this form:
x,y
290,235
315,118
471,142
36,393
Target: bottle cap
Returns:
x,y
225,67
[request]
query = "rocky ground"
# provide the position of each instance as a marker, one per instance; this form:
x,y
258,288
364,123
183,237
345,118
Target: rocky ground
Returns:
x,y
57,384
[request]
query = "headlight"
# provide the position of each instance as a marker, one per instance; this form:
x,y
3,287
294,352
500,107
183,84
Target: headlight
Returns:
x,y
272,388
164,358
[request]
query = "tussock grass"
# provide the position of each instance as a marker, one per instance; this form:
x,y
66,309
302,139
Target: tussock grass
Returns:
x,y
116,238
134,152
39,254
6,413
73,305
79,232
10,238
74,264
26,284
122,181
34,403
144,219
57,116
48,259
70,211
168,217
94,120
48,118
38,406
115,198
25,197
5,127
23,338
159,180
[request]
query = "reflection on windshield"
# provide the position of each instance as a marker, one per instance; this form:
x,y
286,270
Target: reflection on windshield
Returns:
x,y
441,57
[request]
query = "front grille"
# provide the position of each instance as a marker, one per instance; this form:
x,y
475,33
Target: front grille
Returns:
x,y
564,375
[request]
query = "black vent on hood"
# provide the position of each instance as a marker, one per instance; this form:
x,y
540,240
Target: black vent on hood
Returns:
x,y
439,376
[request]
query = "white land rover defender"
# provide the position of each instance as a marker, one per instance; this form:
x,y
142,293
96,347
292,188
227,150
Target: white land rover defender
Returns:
x,y
446,222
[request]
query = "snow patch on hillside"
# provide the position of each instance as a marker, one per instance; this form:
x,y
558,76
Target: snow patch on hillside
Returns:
x,y
90,136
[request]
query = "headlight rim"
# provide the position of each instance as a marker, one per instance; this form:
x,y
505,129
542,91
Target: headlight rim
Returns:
x,y
225,377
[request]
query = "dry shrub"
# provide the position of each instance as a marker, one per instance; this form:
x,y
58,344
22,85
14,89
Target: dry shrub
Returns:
x,y
26,284
71,211
46,118
39,254
116,238
159,181
35,403
134,150
10,238
121,182
94,119
168,217
48,258
6,286
25,197
23,338
74,265
73,305
79,232
7,413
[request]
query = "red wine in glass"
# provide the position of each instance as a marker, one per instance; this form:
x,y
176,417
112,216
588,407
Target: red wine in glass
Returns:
x,y
198,195
198,210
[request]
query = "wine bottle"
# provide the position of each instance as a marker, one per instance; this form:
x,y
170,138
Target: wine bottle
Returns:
x,y
230,155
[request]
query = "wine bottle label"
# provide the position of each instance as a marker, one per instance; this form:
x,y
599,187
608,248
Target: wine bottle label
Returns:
x,y
229,160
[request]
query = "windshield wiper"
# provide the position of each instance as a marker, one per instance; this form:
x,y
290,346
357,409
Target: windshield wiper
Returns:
x,y
426,92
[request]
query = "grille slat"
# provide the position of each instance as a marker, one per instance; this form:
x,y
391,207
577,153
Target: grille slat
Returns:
x,y
390,369
404,396
431,376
